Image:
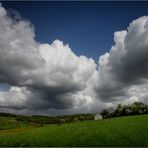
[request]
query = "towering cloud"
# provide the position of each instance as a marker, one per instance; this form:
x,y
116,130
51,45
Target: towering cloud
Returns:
x,y
42,76
126,65
51,79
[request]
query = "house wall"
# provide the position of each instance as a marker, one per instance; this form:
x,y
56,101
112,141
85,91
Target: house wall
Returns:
x,y
98,117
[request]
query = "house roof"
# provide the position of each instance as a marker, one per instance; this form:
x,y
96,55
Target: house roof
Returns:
x,y
98,114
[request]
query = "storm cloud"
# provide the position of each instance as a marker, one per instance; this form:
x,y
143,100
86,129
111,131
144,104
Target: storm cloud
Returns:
x,y
52,79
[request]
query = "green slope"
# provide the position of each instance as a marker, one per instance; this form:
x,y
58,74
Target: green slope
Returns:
x,y
122,131
10,122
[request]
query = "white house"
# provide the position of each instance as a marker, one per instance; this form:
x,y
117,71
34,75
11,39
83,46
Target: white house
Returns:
x,y
98,116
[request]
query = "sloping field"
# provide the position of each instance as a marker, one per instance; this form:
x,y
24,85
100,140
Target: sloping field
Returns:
x,y
121,131
10,123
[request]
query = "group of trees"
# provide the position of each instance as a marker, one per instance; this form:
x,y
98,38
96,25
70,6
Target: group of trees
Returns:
x,y
41,120
136,108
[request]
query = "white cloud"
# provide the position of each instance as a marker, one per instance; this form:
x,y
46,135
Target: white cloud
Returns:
x,y
14,98
52,74
126,65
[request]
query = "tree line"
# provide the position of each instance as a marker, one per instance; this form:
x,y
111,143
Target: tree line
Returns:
x,y
137,108
42,120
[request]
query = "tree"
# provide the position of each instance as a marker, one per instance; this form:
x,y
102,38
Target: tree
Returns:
x,y
104,113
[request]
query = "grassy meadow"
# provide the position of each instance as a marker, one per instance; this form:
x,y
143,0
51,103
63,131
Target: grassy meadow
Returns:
x,y
121,131
10,122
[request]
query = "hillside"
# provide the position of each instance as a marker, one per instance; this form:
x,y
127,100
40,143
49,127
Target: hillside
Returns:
x,y
8,120
121,131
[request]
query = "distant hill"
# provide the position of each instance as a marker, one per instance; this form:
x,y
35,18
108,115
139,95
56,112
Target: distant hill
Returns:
x,y
39,119
7,115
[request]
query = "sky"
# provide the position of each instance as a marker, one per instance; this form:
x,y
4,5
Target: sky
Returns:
x,y
72,57
88,27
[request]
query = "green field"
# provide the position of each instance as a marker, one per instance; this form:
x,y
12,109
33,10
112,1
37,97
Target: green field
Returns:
x,y
121,131
10,122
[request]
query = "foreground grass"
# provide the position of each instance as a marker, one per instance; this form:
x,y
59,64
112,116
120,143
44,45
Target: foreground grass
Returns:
x,y
123,131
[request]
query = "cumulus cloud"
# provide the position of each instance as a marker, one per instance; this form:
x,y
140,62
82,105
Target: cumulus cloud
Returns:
x,y
51,79
44,76
126,65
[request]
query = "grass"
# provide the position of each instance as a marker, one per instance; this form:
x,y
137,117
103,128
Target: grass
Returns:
x,y
10,122
121,131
